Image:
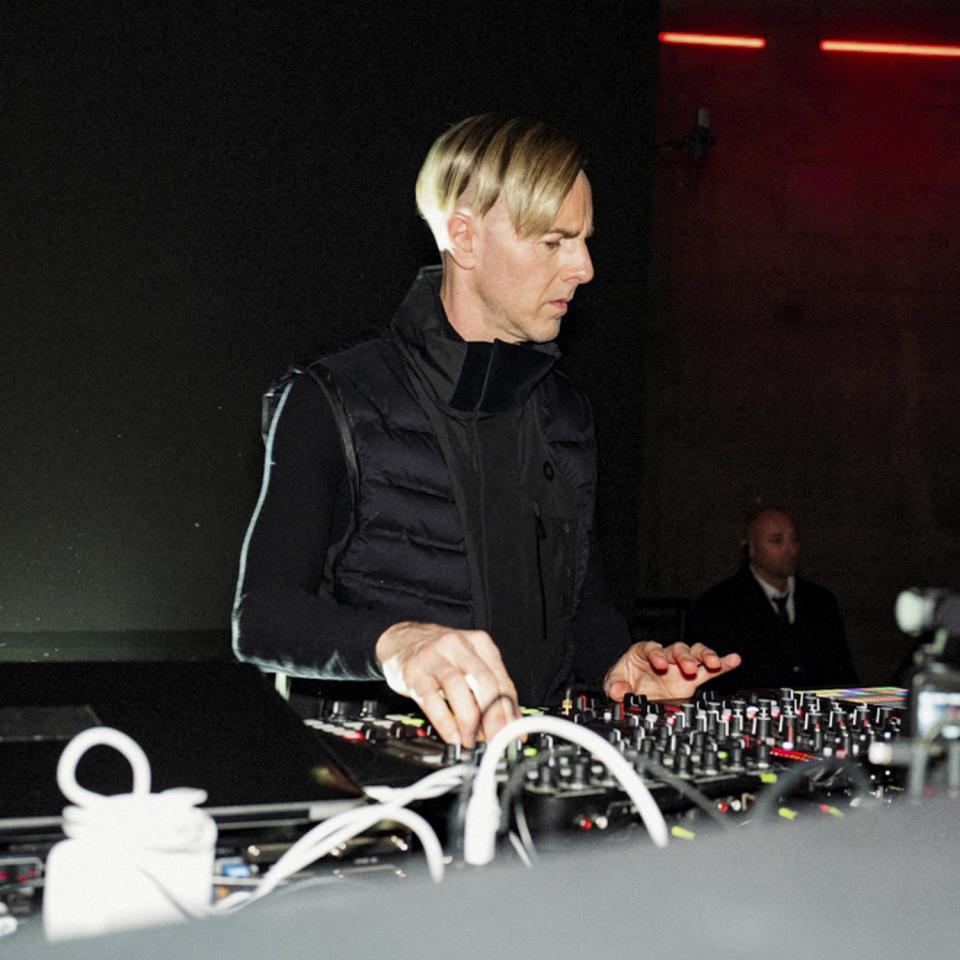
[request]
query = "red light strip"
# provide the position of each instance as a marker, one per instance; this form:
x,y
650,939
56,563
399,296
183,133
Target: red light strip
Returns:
x,y
713,40
908,49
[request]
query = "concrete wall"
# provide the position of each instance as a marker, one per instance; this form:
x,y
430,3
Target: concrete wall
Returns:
x,y
805,282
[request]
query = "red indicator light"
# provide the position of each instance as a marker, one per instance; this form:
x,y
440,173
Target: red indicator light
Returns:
x,y
713,40
352,735
4,875
791,754
903,49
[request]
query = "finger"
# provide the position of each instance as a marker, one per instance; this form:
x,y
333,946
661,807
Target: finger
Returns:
x,y
684,658
495,696
501,711
709,658
491,684
654,653
461,702
730,662
434,706
618,690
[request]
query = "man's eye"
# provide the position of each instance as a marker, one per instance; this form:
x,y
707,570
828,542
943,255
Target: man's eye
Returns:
x,y
551,244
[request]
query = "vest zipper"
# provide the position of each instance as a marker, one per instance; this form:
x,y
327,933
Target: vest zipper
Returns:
x,y
541,536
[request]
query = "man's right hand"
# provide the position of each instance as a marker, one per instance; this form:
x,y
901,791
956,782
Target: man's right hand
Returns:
x,y
456,677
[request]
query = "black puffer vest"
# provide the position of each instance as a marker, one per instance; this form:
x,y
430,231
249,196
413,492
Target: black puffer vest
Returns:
x,y
406,548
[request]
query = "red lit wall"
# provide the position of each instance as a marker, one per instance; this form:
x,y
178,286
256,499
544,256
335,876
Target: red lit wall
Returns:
x,y
804,344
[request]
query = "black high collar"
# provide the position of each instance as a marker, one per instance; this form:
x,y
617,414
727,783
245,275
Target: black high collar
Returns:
x,y
475,375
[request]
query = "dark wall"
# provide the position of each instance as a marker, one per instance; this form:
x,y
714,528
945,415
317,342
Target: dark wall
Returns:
x,y
804,341
194,196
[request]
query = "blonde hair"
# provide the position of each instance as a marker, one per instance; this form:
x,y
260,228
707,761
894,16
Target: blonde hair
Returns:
x,y
532,164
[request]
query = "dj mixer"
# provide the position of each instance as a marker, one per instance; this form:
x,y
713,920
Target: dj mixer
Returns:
x,y
710,755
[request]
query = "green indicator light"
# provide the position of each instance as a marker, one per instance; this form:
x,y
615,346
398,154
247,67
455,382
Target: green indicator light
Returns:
x,y
722,754
530,711
413,721
768,778
787,813
682,833
530,751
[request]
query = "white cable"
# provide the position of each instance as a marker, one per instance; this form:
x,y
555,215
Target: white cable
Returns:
x,y
483,809
328,835
520,850
92,737
435,784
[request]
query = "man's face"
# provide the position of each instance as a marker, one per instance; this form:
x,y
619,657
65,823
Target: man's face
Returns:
x,y
774,546
522,286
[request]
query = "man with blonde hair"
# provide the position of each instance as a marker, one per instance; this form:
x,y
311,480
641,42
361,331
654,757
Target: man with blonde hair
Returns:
x,y
426,516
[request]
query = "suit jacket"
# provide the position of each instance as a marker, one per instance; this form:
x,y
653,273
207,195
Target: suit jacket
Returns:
x,y
735,616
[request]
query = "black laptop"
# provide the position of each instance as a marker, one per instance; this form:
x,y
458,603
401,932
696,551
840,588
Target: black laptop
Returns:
x,y
215,725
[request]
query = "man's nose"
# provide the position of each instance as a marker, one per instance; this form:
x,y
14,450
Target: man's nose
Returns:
x,y
581,265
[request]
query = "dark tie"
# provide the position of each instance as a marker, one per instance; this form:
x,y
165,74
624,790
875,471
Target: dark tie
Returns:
x,y
781,603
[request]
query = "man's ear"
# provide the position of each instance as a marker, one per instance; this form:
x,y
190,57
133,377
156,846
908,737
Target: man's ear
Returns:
x,y
462,231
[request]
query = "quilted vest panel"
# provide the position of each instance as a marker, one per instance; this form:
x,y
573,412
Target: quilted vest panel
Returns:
x,y
407,547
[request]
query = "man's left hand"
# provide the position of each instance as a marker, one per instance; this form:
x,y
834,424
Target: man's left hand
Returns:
x,y
665,673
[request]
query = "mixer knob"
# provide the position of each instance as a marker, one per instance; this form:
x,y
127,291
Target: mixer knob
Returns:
x,y
339,709
546,776
762,723
635,701
581,766
402,731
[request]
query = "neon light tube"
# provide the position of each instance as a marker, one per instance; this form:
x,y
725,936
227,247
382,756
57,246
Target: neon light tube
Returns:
x,y
713,40
909,49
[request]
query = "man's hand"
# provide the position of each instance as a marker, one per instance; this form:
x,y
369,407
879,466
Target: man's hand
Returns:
x,y
456,677
665,673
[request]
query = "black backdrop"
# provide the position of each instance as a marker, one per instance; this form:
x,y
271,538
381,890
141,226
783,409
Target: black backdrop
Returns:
x,y
195,195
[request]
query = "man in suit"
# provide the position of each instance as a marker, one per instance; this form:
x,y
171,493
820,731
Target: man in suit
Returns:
x,y
788,630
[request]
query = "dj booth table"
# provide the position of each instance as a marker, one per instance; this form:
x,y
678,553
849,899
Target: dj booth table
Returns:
x,y
880,880
877,884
